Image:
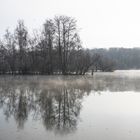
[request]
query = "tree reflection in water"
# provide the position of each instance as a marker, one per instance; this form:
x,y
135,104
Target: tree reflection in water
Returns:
x,y
57,101
57,104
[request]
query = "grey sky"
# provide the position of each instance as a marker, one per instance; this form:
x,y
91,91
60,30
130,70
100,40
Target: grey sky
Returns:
x,y
102,23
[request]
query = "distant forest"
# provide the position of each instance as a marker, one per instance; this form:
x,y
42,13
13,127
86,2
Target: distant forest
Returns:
x,y
123,58
57,49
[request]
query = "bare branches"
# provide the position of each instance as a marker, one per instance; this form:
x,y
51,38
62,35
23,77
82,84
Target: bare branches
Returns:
x,y
56,49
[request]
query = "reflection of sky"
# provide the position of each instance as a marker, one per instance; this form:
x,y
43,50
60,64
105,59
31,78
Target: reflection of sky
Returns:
x,y
111,116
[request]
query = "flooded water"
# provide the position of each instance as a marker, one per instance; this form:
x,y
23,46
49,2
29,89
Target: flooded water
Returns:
x,y
103,107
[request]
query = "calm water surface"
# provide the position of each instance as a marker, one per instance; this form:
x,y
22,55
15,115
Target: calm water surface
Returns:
x,y
103,107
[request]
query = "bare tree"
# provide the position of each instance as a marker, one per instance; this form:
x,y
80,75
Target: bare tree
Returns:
x,y
65,34
21,35
57,48
49,32
10,51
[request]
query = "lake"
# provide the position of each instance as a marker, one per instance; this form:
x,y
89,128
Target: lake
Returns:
x,y
105,106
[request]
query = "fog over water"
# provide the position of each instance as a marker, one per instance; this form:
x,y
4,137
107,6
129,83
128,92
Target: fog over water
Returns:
x,y
104,106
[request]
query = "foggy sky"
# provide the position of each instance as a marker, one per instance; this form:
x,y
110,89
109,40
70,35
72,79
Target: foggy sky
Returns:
x,y
101,23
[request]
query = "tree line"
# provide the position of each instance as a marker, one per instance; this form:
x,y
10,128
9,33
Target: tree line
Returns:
x,y
56,49
124,58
